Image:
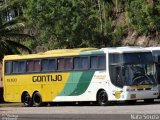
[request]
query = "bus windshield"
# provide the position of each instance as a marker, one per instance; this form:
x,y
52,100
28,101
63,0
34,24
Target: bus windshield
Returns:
x,y
138,74
132,69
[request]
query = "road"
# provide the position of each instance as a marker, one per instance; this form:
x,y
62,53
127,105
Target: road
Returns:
x,y
119,111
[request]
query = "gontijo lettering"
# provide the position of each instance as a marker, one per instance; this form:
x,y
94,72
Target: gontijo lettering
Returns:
x,y
47,78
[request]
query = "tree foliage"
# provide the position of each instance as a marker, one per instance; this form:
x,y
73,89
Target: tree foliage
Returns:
x,y
82,23
11,31
73,23
144,16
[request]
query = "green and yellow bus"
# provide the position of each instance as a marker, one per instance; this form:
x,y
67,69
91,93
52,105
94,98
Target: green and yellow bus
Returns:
x,y
86,74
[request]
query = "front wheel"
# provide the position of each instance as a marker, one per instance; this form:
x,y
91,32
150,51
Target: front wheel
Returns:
x,y
102,98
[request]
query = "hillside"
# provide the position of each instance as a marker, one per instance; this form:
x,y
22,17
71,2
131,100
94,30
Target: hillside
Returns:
x,y
143,41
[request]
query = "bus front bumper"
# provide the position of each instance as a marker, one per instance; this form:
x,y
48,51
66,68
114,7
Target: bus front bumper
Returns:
x,y
140,95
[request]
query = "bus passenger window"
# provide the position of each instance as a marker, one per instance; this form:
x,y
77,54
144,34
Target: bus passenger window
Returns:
x,y
61,64
45,65
37,66
30,65
85,63
76,63
68,63
52,65
98,62
94,62
81,63
49,65
8,67
102,62
15,67
21,66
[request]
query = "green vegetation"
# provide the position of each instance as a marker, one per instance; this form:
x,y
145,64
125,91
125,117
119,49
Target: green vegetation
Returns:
x,y
11,30
144,16
82,23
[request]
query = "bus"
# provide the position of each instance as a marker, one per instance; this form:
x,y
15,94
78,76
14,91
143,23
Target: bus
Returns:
x,y
1,86
75,75
156,56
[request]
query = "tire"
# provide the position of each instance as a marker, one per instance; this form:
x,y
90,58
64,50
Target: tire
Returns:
x,y
26,99
149,100
37,99
102,98
130,102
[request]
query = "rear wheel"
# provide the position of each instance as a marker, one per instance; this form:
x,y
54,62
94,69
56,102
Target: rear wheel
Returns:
x,y
102,98
37,99
26,99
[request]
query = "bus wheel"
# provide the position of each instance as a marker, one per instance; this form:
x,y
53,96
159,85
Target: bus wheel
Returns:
x,y
26,99
37,99
148,100
102,98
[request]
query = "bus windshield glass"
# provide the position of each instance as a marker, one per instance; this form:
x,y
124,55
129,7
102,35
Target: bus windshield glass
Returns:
x,y
138,74
132,69
135,58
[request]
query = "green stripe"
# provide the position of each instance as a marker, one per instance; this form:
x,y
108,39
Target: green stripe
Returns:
x,y
83,83
92,52
71,83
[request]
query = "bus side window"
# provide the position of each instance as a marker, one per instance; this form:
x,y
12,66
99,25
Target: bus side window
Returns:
x,y
65,64
76,63
8,67
61,64
48,64
94,62
102,62
45,64
33,66
15,67
98,62
52,65
81,63
19,66
37,66
84,62
30,66
68,64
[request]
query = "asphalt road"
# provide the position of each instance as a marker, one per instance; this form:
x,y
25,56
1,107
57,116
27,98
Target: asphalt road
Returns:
x,y
116,111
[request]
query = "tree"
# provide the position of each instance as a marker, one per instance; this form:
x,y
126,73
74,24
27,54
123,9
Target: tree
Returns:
x,y
11,33
73,23
143,16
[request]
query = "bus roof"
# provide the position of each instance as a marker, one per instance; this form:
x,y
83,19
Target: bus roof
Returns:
x,y
51,53
153,48
126,49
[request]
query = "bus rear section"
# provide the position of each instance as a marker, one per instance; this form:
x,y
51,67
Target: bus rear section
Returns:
x,y
132,75
1,85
